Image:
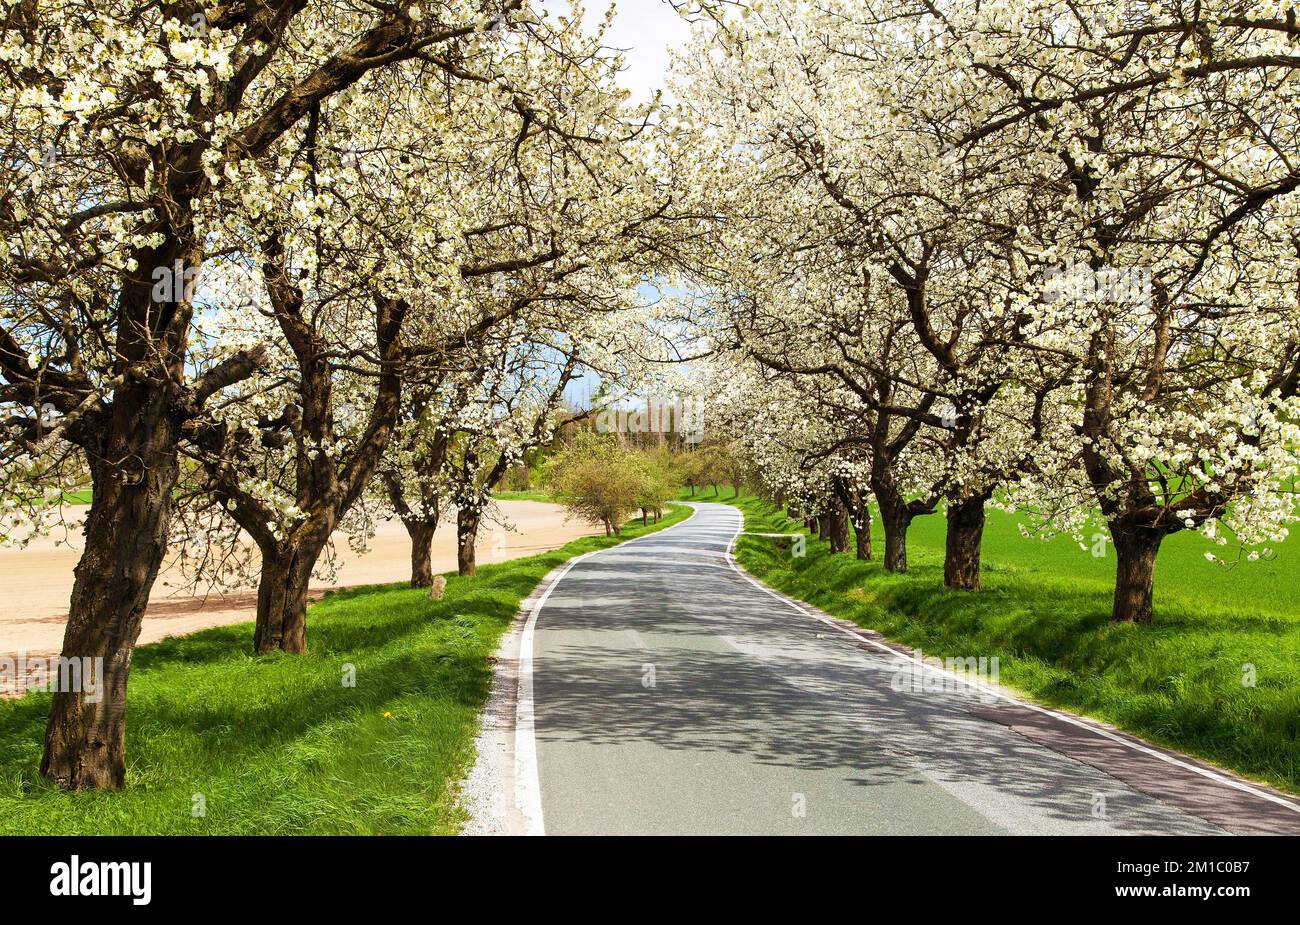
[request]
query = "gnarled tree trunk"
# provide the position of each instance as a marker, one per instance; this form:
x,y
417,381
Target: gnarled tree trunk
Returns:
x,y
126,538
857,509
896,518
466,535
895,543
281,605
897,514
421,533
862,534
1136,548
420,522
282,594
838,524
961,559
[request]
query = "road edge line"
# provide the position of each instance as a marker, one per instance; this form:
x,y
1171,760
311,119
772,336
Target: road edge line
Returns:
x,y
528,787
985,690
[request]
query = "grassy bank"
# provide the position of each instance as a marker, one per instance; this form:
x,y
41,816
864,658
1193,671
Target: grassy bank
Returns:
x,y
1045,614
277,744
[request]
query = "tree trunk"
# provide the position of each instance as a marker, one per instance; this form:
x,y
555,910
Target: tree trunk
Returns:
x,y
1136,549
824,526
861,517
895,545
862,542
838,523
896,517
862,530
896,520
421,533
644,518
126,538
466,536
282,596
961,559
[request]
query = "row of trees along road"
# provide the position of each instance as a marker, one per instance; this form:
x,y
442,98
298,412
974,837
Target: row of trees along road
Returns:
x,y
283,267
1042,254
250,245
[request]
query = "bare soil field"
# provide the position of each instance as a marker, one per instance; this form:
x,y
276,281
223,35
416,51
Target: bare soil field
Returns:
x,y
36,582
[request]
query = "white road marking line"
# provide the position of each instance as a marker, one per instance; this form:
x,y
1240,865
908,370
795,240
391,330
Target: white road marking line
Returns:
x,y
985,689
528,787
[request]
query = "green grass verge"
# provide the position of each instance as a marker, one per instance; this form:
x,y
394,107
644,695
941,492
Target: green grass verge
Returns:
x,y
522,496
1045,614
276,744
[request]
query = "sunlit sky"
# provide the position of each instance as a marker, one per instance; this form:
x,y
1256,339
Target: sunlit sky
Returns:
x,y
644,29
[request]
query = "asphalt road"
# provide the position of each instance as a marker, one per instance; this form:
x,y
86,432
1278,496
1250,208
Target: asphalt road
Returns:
x,y
673,695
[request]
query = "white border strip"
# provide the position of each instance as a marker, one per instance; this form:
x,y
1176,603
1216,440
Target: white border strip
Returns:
x,y
528,787
993,692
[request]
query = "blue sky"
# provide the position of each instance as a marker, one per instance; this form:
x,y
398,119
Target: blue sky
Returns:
x,y
644,29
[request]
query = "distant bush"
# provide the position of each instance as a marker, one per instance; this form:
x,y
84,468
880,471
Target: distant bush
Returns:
x,y
600,482
659,481
591,476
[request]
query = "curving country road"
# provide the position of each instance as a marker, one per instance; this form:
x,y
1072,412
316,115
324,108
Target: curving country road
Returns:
x,y
662,690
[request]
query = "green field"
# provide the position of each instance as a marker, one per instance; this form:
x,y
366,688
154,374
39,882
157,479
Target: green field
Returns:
x,y
277,744
522,496
1045,613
